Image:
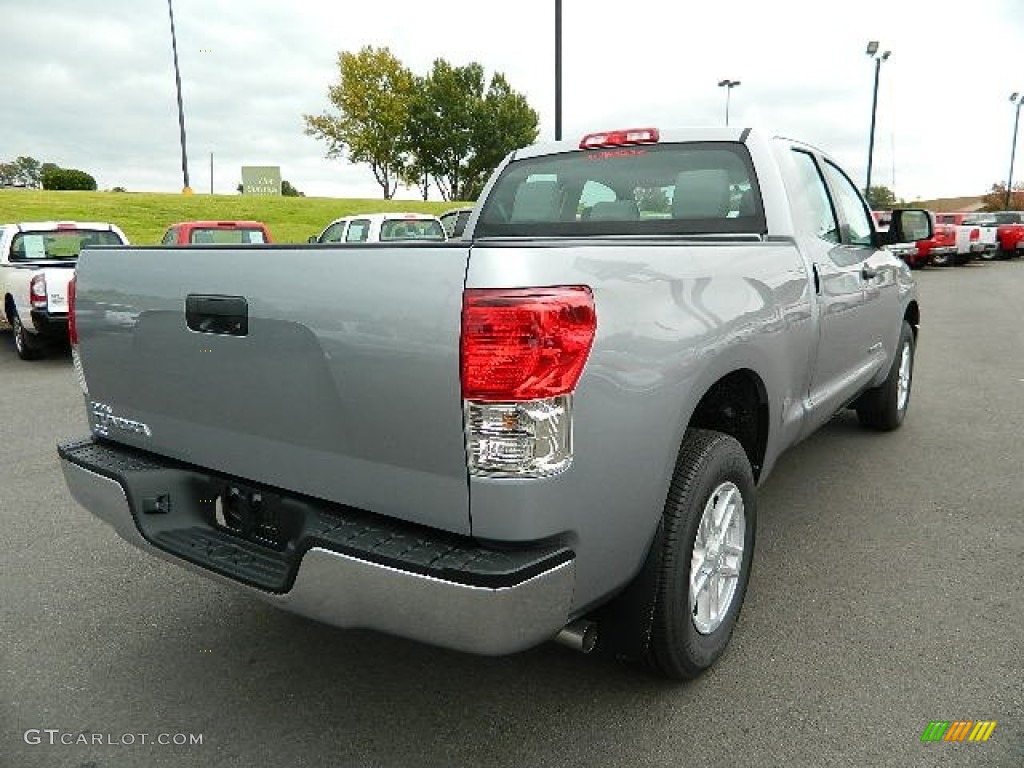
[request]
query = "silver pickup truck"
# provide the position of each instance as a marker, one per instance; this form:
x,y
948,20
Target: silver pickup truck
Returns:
x,y
552,429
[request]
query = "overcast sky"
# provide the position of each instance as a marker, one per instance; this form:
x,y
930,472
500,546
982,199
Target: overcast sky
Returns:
x,y
90,85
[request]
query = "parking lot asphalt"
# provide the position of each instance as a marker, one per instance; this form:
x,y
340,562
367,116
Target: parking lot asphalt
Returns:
x,y
887,592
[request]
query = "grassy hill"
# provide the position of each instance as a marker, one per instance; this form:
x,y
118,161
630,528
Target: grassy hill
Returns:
x,y
145,216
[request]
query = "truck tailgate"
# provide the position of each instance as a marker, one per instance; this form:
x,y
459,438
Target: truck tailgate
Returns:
x,y
342,382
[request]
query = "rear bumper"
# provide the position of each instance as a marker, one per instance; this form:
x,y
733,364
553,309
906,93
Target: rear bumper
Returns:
x,y
49,324
341,566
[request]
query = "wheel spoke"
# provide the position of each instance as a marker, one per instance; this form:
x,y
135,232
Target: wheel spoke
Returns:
x,y
717,557
700,584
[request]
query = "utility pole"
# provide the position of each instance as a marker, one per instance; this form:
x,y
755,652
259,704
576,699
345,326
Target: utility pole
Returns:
x,y
186,189
728,85
872,51
1019,99
558,70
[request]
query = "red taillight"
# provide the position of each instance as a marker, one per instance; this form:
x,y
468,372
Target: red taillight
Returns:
x,y
37,292
72,326
525,343
620,138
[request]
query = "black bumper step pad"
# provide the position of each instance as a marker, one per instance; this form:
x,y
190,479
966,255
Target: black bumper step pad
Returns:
x,y
172,504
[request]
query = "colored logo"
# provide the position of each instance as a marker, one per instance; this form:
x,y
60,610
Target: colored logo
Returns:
x,y
958,730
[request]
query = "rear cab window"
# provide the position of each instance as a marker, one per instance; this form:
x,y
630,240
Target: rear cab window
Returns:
x,y
227,236
703,188
58,244
411,229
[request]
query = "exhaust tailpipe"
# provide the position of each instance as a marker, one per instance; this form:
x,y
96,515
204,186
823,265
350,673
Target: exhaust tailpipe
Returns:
x,y
580,635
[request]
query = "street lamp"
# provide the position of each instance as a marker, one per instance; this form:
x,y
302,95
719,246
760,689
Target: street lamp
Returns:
x,y
186,190
1018,99
872,51
728,85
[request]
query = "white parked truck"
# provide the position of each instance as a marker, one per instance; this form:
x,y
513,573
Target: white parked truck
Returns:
x,y
37,261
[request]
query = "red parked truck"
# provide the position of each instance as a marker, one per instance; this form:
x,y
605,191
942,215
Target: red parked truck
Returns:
x,y
216,233
1010,233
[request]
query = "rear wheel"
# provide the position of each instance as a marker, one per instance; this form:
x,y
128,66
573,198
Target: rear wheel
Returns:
x,y
26,346
941,259
885,407
708,523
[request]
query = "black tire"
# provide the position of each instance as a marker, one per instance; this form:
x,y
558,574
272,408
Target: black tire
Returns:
x,y
708,462
942,260
884,408
25,345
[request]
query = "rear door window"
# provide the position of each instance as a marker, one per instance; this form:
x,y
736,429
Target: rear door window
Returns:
x,y
812,200
855,227
358,231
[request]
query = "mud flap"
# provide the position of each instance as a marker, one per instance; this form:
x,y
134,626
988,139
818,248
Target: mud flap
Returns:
x,y
624,623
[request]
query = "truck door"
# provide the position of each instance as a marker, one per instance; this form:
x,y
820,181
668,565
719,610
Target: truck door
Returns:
x,y
854,286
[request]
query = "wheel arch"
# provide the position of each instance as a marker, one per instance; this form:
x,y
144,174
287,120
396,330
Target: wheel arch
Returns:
x,y
737,404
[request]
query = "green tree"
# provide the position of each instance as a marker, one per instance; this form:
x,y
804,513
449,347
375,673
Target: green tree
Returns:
x,y
460,128
506,122
287,190
22,172
68,179
881,198
372,99
439,134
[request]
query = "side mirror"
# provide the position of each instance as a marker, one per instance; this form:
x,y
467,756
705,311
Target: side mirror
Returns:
x,y
908,226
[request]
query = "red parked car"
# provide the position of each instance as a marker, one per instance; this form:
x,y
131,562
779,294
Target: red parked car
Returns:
x,y
216,232
1010,232
939,249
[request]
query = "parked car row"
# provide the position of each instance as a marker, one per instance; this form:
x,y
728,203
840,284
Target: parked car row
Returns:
x,y
37,259
959,237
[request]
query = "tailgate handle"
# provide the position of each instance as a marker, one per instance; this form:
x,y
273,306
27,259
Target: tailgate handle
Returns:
x,y
223,315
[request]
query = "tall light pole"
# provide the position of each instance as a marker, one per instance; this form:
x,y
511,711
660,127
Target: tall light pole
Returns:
x,y
186,189
1018,99
558,70
872,51
728,85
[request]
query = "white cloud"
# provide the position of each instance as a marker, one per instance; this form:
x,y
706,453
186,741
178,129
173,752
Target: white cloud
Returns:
x,y
94,86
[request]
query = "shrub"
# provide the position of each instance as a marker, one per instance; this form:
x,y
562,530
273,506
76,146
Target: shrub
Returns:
x,y
68,178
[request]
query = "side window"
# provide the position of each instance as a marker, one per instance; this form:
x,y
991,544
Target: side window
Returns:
x,y
358,231
815,198
594,194
857,222
333,233
170,236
